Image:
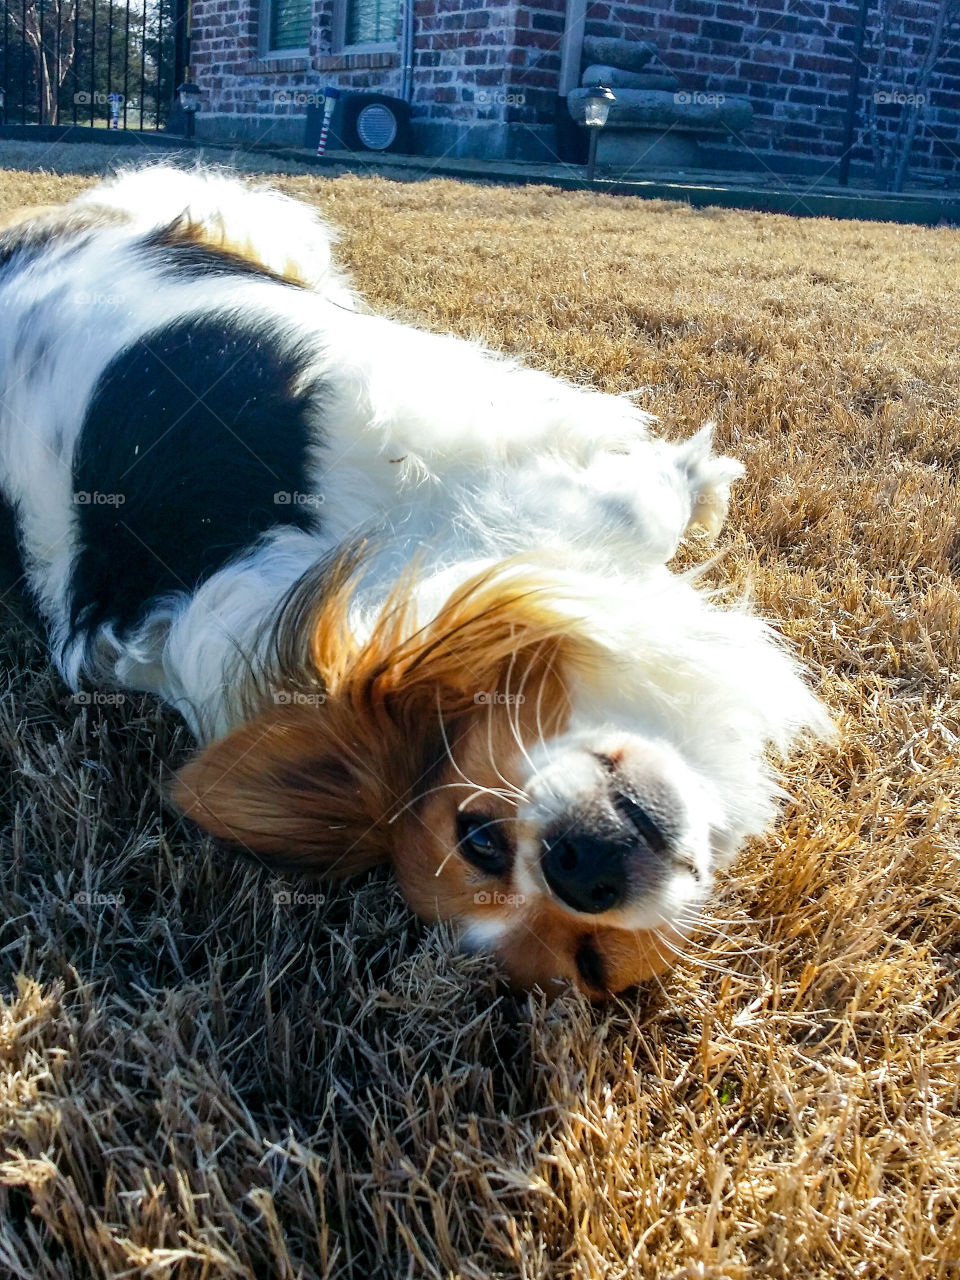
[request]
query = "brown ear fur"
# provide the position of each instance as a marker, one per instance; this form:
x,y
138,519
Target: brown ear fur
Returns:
x,y
283,786
315,786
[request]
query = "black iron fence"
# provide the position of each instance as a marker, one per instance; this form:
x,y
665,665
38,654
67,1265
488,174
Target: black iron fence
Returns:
x,y
108,63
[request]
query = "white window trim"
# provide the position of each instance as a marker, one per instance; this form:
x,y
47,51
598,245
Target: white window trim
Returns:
x,y
339,35
263,37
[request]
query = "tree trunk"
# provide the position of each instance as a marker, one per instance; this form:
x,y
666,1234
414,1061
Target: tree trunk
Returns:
x,y
52,64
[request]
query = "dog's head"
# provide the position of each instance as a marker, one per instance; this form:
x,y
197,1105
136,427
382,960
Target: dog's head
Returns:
x,y
562,791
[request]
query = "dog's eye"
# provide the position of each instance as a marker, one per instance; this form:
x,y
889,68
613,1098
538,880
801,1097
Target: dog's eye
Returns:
x,y
482,843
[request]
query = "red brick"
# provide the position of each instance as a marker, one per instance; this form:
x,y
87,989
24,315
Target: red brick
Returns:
x,y
723,32
773,57
758,71
675,22
703,7
817,62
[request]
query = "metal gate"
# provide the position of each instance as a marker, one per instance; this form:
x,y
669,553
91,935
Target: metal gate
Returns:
x,y
106,63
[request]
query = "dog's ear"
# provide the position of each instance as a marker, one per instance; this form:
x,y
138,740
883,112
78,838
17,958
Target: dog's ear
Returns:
x,y
288,788
316,787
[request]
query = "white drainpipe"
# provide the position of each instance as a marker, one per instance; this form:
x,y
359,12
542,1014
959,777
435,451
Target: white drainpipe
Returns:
x,y
406,52
571,46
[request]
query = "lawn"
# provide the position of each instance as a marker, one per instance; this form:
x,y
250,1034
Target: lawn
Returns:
x,y
207,1075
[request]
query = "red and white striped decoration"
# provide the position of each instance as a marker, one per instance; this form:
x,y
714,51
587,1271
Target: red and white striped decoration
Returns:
x,y
330,97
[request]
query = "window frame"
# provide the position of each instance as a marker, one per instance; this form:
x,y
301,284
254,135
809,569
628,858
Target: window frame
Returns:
x,y
339,33
263,42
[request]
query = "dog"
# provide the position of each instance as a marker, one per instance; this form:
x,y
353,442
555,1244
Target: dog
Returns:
x,y
411,597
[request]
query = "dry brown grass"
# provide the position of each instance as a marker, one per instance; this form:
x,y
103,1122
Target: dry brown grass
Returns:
x,y
199,1083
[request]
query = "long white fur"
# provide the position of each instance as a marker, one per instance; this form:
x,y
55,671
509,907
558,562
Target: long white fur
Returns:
x,y
462,457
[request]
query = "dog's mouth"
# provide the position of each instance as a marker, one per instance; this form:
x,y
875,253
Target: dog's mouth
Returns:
x,y
552,950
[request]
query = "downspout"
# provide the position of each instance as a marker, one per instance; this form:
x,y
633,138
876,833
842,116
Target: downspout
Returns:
x,y
571,46
853,93
406,51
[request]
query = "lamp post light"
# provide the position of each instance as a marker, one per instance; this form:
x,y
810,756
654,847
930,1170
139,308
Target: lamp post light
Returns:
x,y
189,95
596,107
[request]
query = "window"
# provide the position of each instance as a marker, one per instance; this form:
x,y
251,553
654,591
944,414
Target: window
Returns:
x,y
371,21
288,25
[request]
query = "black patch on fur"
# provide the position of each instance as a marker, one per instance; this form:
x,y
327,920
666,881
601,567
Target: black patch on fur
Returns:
x,y
189,435
11,560
187,259
590,964
17,606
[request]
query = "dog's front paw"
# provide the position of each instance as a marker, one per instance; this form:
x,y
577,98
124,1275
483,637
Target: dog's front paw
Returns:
x,y
708,478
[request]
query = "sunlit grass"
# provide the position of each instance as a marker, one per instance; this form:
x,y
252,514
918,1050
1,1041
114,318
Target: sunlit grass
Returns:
x,y
199,1082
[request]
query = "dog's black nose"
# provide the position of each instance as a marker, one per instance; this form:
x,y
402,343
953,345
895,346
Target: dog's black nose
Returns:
x,y
586,872
593,872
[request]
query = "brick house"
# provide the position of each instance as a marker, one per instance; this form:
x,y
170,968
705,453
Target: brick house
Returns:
x,y
490,79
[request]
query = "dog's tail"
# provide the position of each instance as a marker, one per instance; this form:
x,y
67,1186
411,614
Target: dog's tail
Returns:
x,y
215,207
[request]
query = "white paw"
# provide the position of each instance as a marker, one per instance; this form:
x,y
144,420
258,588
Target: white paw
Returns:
x,y
663,492
708,477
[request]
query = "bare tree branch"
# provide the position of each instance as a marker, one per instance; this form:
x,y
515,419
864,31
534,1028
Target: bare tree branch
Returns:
x,y
908,83
53,50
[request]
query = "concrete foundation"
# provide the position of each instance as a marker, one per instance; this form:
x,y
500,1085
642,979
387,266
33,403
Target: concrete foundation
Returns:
x,y
225,126
486,140
638,148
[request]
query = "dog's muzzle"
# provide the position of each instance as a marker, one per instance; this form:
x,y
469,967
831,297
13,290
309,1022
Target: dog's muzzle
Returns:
x,y
600,869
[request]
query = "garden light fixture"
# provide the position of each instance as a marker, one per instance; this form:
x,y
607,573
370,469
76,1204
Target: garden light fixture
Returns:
x,y
189,95
596,108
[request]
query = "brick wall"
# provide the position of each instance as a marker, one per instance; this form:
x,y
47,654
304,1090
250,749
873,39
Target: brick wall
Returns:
x,y
479,62
491,70
462,50
793,61
265,98
476,63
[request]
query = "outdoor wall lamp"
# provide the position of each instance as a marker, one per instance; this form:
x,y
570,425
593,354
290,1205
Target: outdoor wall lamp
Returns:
x,y
189,95
596,108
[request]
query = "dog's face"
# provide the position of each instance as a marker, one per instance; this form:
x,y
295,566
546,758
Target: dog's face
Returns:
x,y
489,756
576,856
